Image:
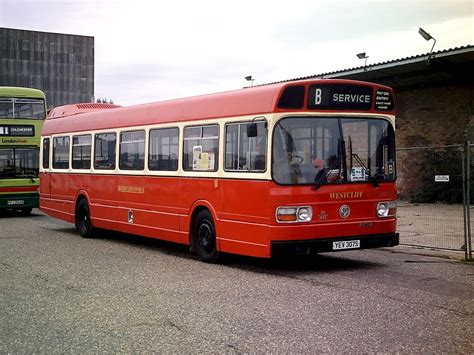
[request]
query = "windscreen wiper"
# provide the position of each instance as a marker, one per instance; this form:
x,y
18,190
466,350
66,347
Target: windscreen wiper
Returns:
x,y
323,178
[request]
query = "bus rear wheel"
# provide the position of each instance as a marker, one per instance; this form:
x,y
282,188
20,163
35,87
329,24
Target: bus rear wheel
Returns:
x,y
83,220
204,237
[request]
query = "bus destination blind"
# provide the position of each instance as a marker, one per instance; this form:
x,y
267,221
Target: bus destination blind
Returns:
x,y
349,97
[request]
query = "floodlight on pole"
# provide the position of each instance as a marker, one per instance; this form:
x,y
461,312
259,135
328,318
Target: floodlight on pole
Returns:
x,y
249,78
427,37
363,56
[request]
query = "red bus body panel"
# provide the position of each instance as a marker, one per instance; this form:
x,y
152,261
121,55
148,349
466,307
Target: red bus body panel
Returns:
x,y
243,209
245,219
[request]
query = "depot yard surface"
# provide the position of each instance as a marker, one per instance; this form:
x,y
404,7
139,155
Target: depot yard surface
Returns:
x,y
64,294
439,226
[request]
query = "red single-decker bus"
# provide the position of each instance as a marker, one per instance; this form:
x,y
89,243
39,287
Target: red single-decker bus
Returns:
x,y
299,167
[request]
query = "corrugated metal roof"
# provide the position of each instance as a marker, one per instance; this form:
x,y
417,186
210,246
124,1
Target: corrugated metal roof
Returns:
x,y
464,53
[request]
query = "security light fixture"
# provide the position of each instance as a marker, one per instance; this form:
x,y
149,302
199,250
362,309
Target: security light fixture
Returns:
x,y
249,78
363,56
425,34
427,37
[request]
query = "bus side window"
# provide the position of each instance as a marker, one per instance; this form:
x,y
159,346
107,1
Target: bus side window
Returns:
x,y
61,153
243,153
132,150
45,153
163,149
201,148
104,151
81,151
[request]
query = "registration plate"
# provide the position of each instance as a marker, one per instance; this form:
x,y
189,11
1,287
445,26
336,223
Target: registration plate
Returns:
x,y
347,244
15,202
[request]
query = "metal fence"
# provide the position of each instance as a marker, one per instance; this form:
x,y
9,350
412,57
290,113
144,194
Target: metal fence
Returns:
x,y
435,197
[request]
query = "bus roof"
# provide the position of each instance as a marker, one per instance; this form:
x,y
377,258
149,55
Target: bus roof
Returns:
x,y
20,92
248,101
76,109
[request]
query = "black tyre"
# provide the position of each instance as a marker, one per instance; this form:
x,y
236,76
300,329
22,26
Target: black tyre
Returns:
x,y
204,237
83,220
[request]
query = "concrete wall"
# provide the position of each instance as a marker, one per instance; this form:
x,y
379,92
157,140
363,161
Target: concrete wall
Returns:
x,y
61,65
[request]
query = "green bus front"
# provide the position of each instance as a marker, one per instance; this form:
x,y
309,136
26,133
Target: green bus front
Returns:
x,y
22,113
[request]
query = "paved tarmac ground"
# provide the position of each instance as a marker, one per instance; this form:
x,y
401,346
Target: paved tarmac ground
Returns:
x,y
60,293
434,225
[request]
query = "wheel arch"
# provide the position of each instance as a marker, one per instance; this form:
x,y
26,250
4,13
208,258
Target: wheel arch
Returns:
x,y
197,207
81,195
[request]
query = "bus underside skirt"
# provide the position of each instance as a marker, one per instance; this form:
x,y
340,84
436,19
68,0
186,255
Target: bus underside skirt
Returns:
x,y
334,244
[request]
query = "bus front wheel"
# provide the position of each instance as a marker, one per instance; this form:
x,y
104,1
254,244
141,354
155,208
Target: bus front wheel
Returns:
x,y
204,241
83,220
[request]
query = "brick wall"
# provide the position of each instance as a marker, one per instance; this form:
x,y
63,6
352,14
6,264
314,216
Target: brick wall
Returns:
x,y
432,117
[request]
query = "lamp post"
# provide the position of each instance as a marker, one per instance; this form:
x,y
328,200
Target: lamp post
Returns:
x,y
363,56
427,37
249,78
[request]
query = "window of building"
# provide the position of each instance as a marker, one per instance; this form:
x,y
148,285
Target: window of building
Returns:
x,y
45,153
243,153
163,149
81,151
104,151
132,150
61,153
201,148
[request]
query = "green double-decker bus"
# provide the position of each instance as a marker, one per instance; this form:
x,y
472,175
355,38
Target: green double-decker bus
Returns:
x,y
22,113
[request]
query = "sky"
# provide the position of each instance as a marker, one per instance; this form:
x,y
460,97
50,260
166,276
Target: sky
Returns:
x,y
155,50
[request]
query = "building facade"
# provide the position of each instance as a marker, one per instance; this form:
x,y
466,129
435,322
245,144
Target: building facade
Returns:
x,y
61,65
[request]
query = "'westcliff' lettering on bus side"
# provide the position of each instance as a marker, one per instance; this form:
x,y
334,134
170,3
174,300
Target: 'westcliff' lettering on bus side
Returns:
x,y
131,189
342,195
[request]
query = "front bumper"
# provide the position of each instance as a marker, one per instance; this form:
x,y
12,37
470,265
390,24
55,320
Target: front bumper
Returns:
x,y
326,245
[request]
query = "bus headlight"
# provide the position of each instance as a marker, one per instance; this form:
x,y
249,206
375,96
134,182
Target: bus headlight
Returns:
x,y
386,209
294,214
